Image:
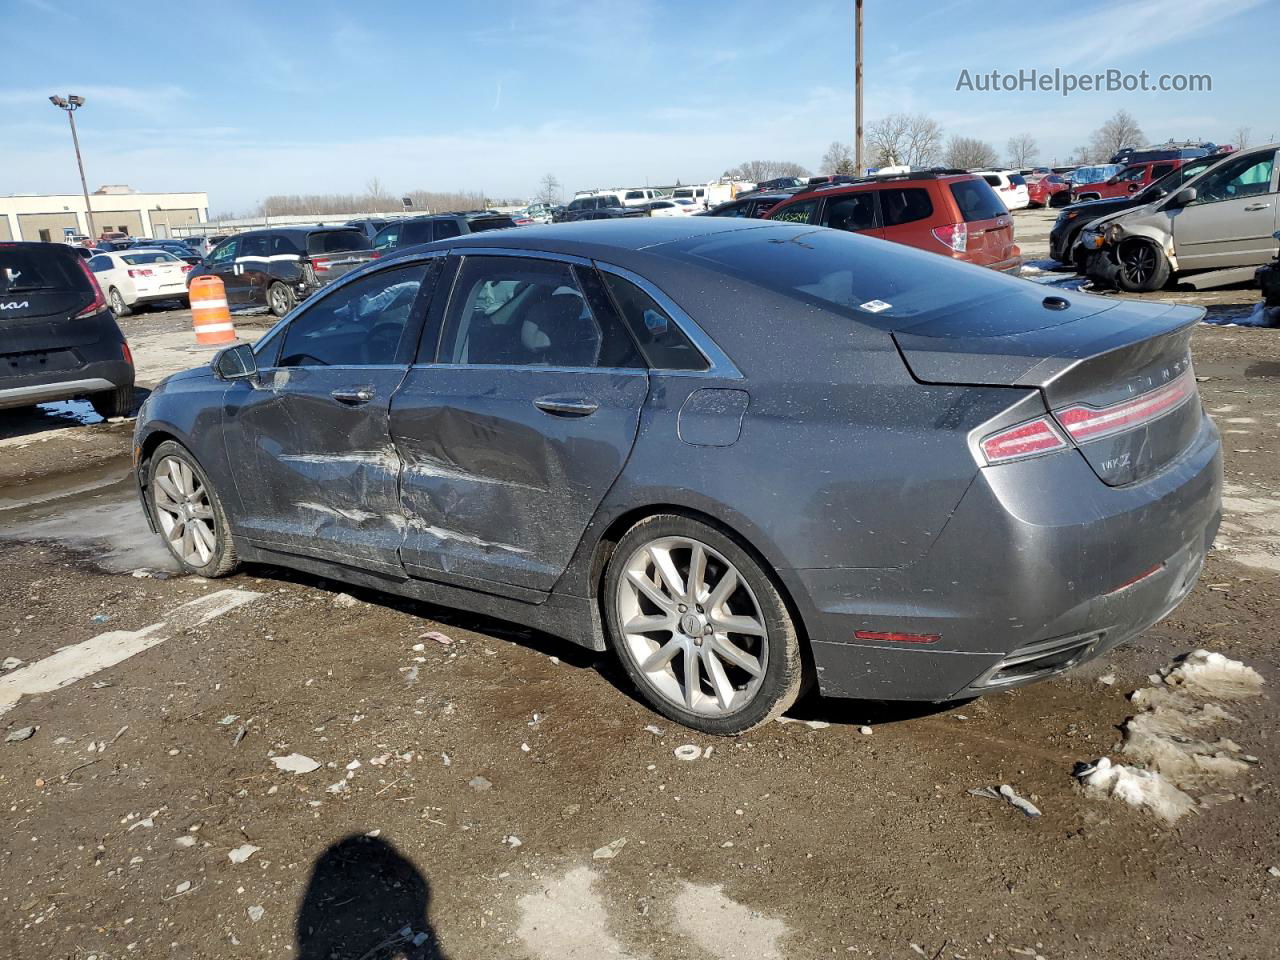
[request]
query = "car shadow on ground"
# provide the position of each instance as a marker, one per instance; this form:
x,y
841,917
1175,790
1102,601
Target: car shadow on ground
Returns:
x,y
366,900
30,421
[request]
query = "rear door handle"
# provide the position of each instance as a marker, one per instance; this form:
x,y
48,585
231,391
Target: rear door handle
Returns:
x,y
566,406
1257,206
353,398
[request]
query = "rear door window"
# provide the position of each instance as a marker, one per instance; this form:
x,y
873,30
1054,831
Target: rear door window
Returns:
x,y
416,231
899,205
856,211
446,229
977,201
255,245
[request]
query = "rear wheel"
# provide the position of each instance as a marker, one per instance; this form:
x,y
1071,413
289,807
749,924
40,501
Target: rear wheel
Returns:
x,y
113,403
118,306
280,299
189,514
1143,267
700,627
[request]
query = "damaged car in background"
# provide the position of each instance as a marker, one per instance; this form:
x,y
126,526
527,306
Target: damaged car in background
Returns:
x,y
1214,230
744,456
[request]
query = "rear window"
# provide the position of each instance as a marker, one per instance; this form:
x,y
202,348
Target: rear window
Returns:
x,y
23,271
337,241
140,259
490,223
886,285
977,201
992,179
1018,180
905,205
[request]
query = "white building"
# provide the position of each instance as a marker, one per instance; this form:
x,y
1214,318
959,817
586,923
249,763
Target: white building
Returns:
x,y
115,208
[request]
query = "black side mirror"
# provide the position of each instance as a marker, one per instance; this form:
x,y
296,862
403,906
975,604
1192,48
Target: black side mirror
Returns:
x,y
1183,197
236,362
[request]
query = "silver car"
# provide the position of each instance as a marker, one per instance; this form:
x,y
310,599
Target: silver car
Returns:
x,y
1217,229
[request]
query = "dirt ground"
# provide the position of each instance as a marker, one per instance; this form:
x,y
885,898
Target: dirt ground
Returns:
x,y
505,795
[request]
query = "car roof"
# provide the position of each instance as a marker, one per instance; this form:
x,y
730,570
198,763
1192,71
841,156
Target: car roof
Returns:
x,y
600,237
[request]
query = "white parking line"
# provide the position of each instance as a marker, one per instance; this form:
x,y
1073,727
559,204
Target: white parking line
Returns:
x,y
82,660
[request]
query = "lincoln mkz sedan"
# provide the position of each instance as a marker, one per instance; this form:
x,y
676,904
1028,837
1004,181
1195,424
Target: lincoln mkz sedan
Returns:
x,y
744,456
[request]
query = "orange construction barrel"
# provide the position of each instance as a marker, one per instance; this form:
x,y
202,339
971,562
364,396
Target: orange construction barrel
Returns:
x,y
209,314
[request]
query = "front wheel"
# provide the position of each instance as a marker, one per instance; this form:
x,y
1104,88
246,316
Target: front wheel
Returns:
x,y
1143,267
280,299
189,514
700,627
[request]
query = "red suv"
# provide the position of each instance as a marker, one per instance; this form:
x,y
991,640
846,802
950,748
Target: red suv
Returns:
x,y
1129,180
948,212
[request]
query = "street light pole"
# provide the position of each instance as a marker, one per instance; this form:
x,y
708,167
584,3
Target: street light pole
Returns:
x,y
857,84
71,104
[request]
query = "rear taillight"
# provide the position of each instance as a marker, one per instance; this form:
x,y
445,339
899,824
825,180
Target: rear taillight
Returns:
x,y
99,301
139,273
1029,439
1091,423
953,235
128,354
319,264
188,267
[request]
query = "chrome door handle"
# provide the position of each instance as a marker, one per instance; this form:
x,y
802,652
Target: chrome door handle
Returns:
x,y
1257,206
353,397
566,407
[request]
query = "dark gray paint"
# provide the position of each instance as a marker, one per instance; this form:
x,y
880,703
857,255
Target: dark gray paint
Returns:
x,y
849,476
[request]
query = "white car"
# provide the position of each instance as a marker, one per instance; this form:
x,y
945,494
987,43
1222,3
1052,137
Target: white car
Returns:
x,y
669,208
130,278
1009,187
697,194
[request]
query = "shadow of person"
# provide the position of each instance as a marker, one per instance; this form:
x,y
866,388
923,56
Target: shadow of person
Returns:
x,y
365,901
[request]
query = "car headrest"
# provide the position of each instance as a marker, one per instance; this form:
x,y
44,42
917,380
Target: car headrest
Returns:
x,y
561,328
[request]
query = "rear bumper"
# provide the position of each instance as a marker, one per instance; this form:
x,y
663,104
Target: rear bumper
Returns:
x,y
102,368
1030,577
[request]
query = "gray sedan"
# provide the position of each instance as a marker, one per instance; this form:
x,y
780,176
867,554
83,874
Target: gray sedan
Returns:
x,y
744,456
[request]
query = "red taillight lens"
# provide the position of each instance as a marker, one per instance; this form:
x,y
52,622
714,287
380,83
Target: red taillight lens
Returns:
x,y
953,235
1091,423
140,273
128,354
320,265
1029,439
99,301
188,267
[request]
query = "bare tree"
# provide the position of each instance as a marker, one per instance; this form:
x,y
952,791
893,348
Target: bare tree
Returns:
x,y
910,139
1023,150
1242,137
1120,131
549,189
970,153
346,203
838,159
757,170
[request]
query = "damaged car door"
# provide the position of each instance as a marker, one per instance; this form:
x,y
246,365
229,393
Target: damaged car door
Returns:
x,y
515,427
319,475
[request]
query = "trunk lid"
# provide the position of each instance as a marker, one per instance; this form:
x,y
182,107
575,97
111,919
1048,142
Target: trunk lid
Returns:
x,y
38,284
335,253
1116,376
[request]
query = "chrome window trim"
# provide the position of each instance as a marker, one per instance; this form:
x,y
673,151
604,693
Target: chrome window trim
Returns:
x,y
463,251
719,367
631,371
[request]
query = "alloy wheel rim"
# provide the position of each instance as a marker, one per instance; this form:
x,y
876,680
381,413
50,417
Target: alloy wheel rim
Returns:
x,y
1139,264
692,625
184,512
277,298
117,301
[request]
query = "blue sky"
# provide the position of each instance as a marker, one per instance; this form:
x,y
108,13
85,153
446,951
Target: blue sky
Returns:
x,y
247,99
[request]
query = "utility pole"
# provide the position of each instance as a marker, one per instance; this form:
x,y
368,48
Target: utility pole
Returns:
x,y
857,85
71,104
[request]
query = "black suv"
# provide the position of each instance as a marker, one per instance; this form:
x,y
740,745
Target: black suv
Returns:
x,y
604,206
749,205
437,226
278,267
370,225
58,338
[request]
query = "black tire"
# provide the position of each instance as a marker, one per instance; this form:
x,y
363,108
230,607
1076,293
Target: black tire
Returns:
x,y
118,306
280,299
113,403
1143,267
783,674
223,559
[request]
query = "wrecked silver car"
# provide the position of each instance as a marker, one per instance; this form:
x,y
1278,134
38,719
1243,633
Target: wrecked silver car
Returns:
x,y
741,455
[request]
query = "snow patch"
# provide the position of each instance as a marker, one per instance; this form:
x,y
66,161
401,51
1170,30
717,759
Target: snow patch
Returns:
x,y
1209,674
1144,789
